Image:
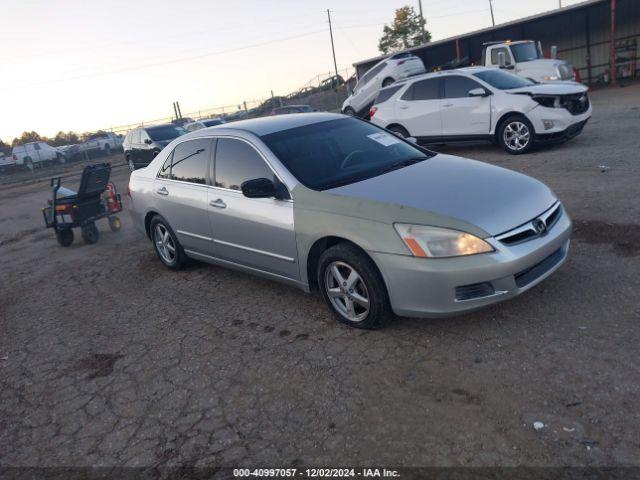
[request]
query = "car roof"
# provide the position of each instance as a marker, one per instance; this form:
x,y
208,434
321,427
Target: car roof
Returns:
x,y
266,125
467,70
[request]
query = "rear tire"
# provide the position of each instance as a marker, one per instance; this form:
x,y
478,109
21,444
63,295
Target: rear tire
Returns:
x,y
90,233
64,237
115,224
28,163
353,288
387,81
166,244
349,111
400,131
516,135
130,163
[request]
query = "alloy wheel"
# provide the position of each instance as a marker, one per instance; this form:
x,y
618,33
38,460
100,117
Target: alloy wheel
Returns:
x,y
516,136
164,243
347,291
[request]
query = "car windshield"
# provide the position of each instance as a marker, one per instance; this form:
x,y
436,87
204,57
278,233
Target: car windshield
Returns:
x,y
503,80
165,132
339,152
525,52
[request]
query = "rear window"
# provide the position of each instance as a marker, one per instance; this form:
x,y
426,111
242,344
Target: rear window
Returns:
x,y
428,89
386,93
165,132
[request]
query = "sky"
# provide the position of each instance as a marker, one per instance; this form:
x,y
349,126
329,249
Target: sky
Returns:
x,y
84,65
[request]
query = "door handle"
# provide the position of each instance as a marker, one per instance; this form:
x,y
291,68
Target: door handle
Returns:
x,y
163,191
447,104
403,107
219,203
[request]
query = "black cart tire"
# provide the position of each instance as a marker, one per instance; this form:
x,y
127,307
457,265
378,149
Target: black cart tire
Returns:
x,y
64,237
166,244
90,233
516,135
353,288
115,224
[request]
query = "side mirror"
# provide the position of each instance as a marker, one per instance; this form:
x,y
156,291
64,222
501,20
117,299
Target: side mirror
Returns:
x,y
478,92
502,60
258,188
147,141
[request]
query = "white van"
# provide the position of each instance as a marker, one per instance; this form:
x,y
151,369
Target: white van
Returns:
x,y
36,154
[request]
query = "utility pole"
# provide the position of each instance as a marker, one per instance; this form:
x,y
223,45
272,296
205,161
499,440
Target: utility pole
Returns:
x,y
424,33
493,21
333,50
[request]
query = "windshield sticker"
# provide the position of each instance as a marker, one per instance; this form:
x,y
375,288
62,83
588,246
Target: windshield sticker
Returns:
x,y
384,139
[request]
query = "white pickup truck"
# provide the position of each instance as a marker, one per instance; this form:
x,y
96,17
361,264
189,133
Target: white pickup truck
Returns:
x,y
104,143
36,154
525,58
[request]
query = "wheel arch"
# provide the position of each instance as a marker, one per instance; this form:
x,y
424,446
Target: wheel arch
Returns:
x,y
504,116
319,247
396,124
147,222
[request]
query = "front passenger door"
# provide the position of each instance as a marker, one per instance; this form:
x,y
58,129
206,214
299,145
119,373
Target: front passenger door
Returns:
x,y
462,114
253,232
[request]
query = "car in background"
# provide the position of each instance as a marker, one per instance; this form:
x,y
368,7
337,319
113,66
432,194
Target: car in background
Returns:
x,y
482,103
7,162
331,83
292,109
329,202
36,154
102,143
141,145
198,124
384,73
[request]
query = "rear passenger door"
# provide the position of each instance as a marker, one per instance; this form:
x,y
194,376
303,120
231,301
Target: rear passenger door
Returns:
x,y
181,190
462,114
418,109
253,232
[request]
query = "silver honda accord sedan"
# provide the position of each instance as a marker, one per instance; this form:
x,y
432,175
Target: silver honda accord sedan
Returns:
x,y
329,202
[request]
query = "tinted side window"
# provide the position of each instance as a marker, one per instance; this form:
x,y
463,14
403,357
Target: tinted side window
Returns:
x,y
386,94
165,171
428,89
237,162
190,161
458,87
494,55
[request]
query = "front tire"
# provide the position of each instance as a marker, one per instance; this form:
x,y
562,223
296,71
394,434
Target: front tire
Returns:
x,y
130,163
516,135
349,111
166,244
353,288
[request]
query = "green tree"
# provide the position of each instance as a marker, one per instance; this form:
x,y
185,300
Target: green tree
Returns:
x,y
65,138
405,32
26,137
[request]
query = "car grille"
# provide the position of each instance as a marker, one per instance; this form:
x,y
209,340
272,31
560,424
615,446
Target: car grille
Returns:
x,y
576,104
475,290
535,228
529,275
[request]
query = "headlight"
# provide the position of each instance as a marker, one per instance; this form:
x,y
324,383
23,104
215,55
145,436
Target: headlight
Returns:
x,y
545,100
437,242
552,77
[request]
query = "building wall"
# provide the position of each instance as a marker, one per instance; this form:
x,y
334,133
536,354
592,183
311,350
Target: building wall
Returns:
x,y
580,35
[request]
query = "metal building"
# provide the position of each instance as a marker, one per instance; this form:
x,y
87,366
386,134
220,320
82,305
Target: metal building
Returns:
x,y
583,34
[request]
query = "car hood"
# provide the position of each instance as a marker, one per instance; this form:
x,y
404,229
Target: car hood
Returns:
x,y
555,88
493,199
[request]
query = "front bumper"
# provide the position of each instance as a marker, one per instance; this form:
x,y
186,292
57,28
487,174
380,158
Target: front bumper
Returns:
x,y
563,122
431,287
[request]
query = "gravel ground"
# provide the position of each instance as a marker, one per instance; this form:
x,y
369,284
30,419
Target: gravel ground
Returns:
x,y
109,359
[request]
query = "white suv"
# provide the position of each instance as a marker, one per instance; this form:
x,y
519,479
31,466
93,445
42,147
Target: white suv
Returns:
x,y
36,154
480,103
397,67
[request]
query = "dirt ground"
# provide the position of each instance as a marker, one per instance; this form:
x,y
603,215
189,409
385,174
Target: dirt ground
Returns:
x,y
109,359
